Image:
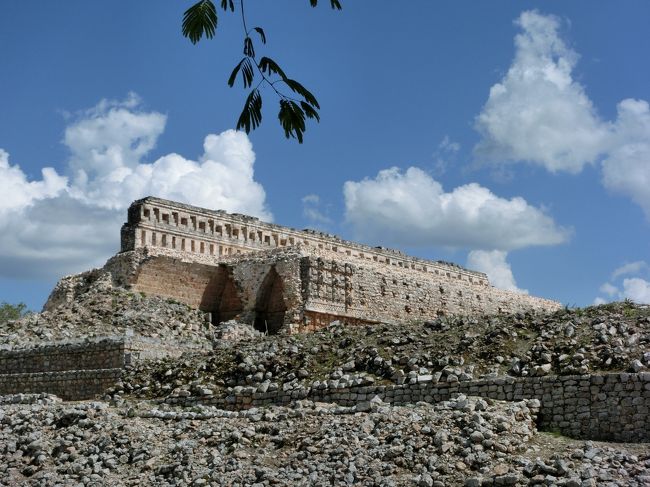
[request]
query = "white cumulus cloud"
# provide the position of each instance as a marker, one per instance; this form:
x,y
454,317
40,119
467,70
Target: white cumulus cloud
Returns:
x,y
412,208
311,204
111,136
17,192
494,264
626,169
630,268
539,113
64,224
635,288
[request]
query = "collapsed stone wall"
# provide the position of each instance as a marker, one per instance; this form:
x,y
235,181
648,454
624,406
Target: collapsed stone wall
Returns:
x,y
68,288
271,289
609,407
263,289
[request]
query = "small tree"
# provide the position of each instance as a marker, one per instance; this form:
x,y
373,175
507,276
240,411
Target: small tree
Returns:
x,y
12,311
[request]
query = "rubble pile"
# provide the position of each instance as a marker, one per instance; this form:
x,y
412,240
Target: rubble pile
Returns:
x,y
104,310
464,441
614,337
132,436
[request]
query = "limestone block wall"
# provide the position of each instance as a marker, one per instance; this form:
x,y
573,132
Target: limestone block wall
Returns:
x,y
252,287
104,354
612,407
77,370
69,385
194,284
371,291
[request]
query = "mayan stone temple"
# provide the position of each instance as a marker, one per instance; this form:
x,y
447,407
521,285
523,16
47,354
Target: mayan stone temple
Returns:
x,y
234,266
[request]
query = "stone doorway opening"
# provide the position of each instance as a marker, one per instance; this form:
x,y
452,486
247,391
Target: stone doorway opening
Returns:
x,y
269,305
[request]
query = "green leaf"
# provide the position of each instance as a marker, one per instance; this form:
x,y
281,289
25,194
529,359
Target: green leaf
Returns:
x,y
292,119
247,72
302,91
309,111
200,19
225,4
249,50
251,115
260,31
268,65
233,75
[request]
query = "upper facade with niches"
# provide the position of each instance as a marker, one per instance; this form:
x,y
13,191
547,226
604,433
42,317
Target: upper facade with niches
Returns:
x,y
156,222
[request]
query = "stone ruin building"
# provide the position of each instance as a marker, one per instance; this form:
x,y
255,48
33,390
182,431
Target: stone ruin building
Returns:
x,y
234,266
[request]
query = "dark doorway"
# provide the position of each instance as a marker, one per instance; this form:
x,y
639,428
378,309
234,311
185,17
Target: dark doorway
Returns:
x,y
224,296
269,306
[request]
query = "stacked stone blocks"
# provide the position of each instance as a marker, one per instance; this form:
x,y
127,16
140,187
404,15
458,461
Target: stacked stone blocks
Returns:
x,y
77,370
601,406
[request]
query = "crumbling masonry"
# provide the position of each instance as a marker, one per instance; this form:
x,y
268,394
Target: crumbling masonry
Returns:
x,y
236,267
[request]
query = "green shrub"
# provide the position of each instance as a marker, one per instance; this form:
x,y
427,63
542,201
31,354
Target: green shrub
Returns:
x,y
12,311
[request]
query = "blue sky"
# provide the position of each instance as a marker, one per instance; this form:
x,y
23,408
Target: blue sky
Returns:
x,y
512,137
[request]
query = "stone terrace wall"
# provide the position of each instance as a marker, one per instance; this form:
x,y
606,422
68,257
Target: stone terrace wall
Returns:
x,y
99,353
77,370
69,385
104,354
600,407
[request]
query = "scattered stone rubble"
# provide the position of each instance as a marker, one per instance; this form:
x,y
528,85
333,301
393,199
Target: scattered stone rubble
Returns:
x,y
133,437
613,337
104,310
464,441
231,331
